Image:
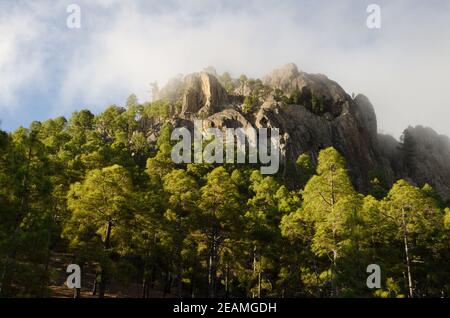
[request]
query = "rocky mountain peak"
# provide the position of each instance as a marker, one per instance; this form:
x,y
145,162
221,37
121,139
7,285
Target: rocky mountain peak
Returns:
x,y
203,95
282,77
313,112
308,86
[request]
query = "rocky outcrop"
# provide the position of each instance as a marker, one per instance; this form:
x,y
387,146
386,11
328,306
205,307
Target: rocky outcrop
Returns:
x,y
346,123
203,95
367,114
229,118
289,79
429,161
426,159
305,132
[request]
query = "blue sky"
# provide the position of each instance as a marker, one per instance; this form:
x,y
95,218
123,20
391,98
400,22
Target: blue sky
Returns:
x,y
47,70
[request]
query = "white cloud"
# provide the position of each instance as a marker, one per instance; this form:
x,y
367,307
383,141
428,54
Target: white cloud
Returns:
x,y
122,47
20,57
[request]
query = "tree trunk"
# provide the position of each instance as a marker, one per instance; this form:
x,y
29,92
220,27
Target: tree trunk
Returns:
x,y
144,287
145,277
101,290
168,284
259,283
108,236
180,275
212,268
192,286
3,276
103,272
102,284
254,266
408,263
317,275
94,288
334,289
227,273
259,278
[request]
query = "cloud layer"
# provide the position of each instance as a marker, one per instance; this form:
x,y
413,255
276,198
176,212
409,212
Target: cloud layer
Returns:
x,y
47,69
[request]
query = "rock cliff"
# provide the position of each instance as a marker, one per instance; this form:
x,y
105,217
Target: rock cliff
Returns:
x,y
313,112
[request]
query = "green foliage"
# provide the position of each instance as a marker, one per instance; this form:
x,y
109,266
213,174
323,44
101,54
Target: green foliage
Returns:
x,y
447,218
162,163
392,290
132,102
26,227
94,188
295,97
258,92
219,205
158,109
99,205
306,168
408,150
227,82
247,108
279,96
330,205
378,187
416,221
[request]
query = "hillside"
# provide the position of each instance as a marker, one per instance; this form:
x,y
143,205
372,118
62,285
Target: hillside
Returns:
x,y
104,192
312,113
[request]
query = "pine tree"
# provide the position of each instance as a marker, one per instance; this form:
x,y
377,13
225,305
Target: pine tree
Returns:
x,y
220,218
414,216
26,221
330,202
162,163
408,150
306,168
182,194
262,221
99,205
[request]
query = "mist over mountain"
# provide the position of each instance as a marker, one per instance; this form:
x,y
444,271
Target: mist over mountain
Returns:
x,y
312,112
122,170
103,191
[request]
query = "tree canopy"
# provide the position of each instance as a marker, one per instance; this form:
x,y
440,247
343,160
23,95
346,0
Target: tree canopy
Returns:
x,y
103,192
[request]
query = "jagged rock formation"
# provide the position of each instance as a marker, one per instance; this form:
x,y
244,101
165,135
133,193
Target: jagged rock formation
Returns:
x,y
431,157
346,123
426,158
305,132
203,95
289,79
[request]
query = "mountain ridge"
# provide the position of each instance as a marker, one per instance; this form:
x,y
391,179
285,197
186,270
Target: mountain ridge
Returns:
x,y
312,113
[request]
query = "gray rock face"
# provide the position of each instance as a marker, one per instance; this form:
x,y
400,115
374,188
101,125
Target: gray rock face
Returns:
x,y
203,95
283,78
229,118
367,114
289,79
305,132
349,125
430,162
